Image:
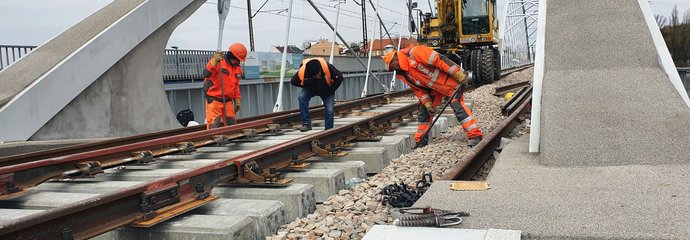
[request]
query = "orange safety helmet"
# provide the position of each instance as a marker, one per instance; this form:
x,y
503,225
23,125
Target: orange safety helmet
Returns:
x,y
387,58
239,51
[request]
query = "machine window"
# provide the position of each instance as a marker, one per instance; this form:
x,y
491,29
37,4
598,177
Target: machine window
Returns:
x,y
475,8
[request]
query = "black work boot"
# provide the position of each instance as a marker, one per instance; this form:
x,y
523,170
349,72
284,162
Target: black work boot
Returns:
x,y
421,144
474,141
305,128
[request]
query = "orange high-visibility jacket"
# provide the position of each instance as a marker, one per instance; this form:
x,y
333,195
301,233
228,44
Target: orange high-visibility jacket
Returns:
x,y
231,80
429,72
324,68
332,78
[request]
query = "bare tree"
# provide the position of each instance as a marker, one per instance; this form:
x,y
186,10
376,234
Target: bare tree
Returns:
x,y
674,27
675,20
661,21
307,43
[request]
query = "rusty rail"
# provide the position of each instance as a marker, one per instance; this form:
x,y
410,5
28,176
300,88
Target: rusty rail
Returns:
x,y
511,87
279,118
515,102
472,162
148,203
28,172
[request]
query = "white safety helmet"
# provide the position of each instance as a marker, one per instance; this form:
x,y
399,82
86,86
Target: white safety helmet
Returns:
x,y
388,48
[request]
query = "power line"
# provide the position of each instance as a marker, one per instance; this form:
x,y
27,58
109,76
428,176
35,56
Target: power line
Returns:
x,y
279,14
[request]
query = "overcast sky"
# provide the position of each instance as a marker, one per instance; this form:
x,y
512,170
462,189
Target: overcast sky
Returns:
x,y
33,22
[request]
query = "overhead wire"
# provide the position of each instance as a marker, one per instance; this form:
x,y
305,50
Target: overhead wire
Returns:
x,y
273,12
278,11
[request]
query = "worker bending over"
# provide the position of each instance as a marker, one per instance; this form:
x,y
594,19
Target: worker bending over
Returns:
x,y
317,77
229,65
431,77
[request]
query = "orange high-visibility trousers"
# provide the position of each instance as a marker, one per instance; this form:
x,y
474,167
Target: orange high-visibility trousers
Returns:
x,y
462,113
214,114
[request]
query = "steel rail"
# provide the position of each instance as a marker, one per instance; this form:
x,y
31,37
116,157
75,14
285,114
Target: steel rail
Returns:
x,y
29,172
316,111
511,87
472,162
16,178
515,102
151,202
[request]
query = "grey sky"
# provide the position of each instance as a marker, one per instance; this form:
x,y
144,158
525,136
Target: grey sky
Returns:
x,y
33,22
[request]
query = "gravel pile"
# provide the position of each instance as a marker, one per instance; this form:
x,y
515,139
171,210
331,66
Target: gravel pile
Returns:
x,y
351,213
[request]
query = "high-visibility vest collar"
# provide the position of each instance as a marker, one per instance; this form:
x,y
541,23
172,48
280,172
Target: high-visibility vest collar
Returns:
x,y
324,68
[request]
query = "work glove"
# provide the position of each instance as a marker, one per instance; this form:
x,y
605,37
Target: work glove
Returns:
x,y
238,104
429,108
216,58
460,77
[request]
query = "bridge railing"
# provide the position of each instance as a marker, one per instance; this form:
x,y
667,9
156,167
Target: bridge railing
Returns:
x,y
12,53
184,64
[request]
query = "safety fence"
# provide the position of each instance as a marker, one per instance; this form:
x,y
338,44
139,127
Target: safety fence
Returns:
x,y
12,53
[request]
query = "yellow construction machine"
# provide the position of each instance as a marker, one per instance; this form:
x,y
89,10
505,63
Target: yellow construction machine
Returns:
x,y
466,31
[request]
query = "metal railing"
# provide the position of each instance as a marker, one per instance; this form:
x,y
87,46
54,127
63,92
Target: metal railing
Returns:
x,y
184,64
12,53
258,96
188,65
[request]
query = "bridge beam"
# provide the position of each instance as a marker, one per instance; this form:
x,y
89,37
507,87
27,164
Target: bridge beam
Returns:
x,y
88,83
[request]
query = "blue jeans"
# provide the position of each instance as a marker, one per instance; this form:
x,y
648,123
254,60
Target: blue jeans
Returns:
x,y
328,102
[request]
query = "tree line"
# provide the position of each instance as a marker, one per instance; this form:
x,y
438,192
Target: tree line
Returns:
x,y
676,32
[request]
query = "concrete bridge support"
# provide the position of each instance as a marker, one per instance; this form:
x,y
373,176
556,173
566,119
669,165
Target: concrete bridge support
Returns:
x,y
100,78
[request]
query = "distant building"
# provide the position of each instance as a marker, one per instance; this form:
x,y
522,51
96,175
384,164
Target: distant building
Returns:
x,y
291,49
323,48
380,45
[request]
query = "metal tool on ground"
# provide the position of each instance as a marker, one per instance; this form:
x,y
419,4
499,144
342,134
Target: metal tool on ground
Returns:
x,y
223,9
429,217
461,87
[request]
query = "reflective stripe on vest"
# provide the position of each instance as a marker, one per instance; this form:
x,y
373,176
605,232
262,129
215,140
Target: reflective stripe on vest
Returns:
x,y
431,57
425,98
453,68
433,76
324,68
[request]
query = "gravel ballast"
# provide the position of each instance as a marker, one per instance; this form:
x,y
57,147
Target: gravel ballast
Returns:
x,y
351,213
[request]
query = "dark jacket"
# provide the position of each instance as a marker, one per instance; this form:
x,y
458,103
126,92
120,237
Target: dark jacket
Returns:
x,y
320,87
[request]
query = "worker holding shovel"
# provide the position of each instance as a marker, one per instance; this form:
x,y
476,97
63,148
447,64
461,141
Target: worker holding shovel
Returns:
x,y
431,77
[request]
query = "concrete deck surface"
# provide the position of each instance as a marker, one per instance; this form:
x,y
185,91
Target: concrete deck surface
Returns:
x,y
606,100
390,232
611,202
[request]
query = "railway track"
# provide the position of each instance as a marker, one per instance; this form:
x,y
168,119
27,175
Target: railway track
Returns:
x,y
515,109
154,200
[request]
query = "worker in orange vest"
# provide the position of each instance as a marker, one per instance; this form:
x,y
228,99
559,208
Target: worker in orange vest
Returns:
x,y
431,77
317,77
229,64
